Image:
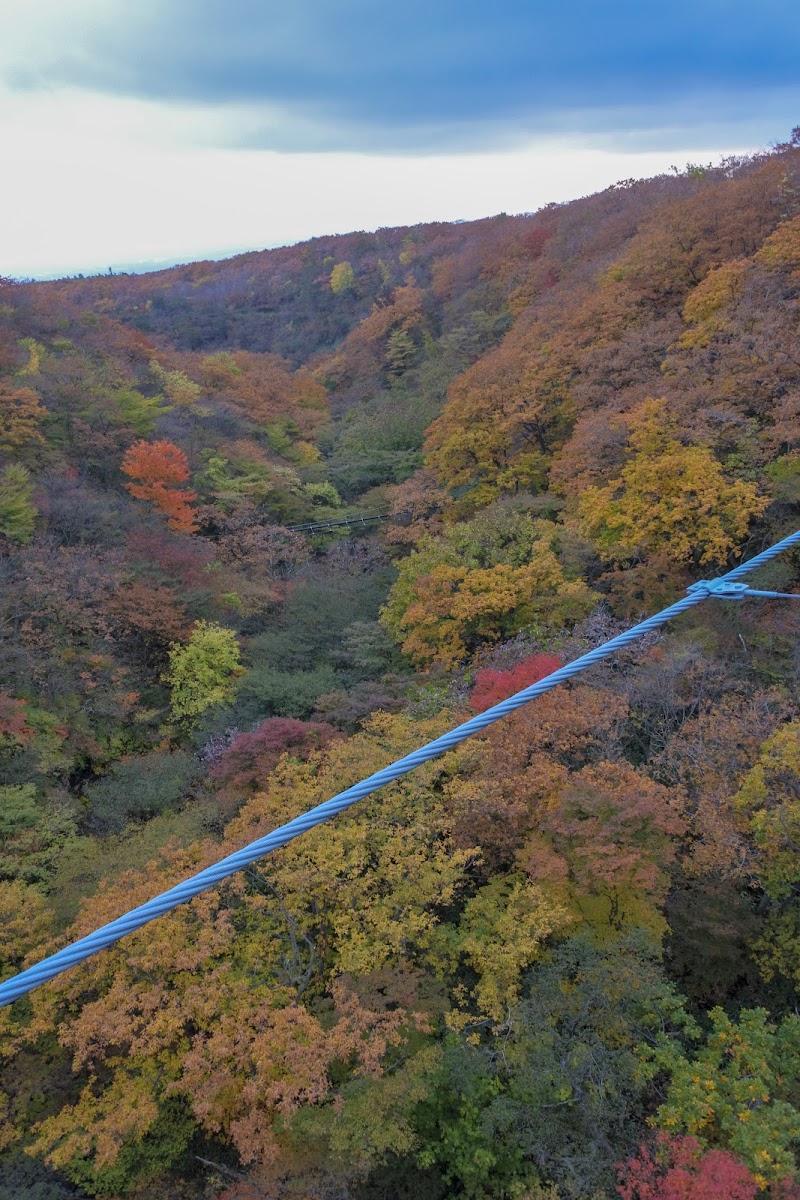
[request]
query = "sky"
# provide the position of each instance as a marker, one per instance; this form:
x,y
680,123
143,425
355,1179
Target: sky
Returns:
x,y
140,132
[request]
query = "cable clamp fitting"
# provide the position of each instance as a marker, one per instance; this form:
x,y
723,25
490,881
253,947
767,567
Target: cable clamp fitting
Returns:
x,y
723,589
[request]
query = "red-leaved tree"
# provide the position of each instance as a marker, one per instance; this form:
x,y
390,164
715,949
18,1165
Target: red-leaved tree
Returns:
x,y
14,727
245,765
676,1168
158,469
493,686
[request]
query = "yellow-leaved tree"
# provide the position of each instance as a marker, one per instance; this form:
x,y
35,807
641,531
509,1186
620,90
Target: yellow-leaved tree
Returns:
x,y
670,497
202,672
770,800
482,580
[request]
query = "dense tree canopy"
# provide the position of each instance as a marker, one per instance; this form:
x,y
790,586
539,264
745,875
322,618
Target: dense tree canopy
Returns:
x,y
561,962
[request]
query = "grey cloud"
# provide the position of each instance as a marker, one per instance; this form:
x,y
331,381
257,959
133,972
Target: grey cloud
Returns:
x,y
441,75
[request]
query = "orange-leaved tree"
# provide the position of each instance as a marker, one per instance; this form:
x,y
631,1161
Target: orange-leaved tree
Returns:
x,y
158,470
20,416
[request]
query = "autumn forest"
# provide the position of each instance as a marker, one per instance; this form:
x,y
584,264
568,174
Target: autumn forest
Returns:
x,y
561,962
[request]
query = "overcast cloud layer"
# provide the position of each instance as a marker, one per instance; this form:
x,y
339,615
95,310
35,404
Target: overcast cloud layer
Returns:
x,y
429,75
136,131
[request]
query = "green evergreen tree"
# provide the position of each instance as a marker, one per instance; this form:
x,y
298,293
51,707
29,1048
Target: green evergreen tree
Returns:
x,y
17,510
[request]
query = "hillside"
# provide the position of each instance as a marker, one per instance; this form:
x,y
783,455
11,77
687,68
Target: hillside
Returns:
x,y
561,962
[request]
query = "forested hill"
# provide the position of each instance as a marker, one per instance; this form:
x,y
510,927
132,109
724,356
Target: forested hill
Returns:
x,y
299,300
560,963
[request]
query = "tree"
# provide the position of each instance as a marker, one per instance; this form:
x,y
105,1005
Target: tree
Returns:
x,y
708,756
400,353
782,248
503,930
363,357
202,672
179,389
17,510
416,508
552,1091
483,580
493,686
126,406
15,729
502,418
465,1150
31,835
616,830
249,759
769,798
454,609
138,787
27,926
677,1168
707,307
573,1094
520,768
268,555
735,1088
150,615
342,278
21,414
159,467
670,497
264,390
